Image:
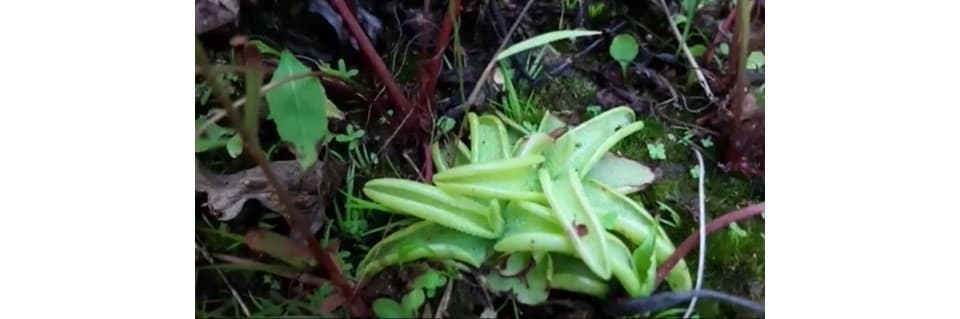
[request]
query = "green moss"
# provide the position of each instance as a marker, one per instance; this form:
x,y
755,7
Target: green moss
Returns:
x,y
571,92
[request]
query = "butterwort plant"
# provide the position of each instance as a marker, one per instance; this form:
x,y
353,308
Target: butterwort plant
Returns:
x,y
534,211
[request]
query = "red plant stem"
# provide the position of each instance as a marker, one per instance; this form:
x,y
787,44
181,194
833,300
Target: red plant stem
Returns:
x,y
428,79
738,64
727,23
692,241
373,58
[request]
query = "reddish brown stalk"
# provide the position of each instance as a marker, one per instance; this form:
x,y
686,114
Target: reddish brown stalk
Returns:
x,y
693,240
289,212
429,78
396,95
724,28
738,63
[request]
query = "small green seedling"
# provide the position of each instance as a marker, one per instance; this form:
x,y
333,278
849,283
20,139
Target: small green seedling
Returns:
x,y
706,142
755,60
656,151
425,286
351,137
341,71
695,171
624,49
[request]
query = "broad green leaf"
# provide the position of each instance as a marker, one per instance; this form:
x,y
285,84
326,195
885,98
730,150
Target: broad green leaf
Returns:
x,y
549,123
645,259
620,173
388,308
636,225
533,144
608,220
488,138
512,178
425,240
433,204
575,214
571,274
581,147
530,227
299,109
543,39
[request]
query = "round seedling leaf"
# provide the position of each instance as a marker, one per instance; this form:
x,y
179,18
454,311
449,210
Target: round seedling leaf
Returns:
x,y
624,48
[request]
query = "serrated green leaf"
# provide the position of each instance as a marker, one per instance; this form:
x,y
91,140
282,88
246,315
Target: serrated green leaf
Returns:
x,y
299,109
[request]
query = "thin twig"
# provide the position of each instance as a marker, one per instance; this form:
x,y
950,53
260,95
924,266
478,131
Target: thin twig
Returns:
x,y
703,236
686,50
290,212
300,277
692,240
444,301
218,114
233,292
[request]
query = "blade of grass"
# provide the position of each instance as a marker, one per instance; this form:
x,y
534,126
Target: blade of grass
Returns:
x,y
543,39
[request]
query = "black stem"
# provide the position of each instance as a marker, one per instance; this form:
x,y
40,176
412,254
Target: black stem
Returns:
x,y
665,300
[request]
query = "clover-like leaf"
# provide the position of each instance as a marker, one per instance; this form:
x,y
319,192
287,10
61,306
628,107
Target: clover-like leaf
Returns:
x,y
531,288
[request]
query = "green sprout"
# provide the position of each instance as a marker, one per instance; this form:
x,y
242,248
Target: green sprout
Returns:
x,y
624,49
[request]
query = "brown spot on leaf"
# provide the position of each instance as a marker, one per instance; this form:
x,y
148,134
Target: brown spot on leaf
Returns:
x,y
581,229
